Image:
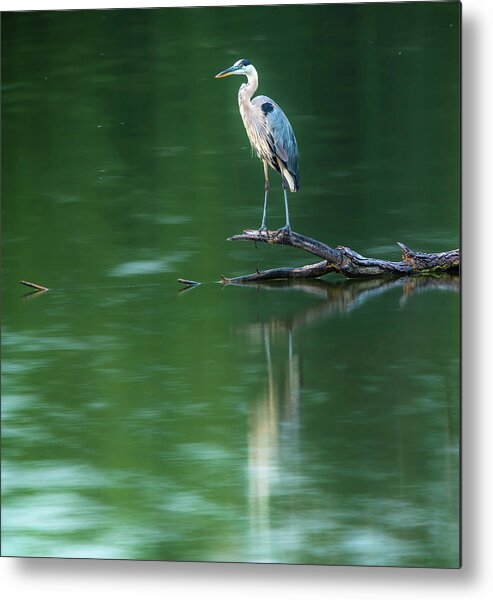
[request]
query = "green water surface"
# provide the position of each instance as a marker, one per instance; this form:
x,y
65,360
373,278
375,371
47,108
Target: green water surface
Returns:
x,y
307,423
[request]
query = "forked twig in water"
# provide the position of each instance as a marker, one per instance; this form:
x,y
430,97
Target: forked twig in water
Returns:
x,y
40,288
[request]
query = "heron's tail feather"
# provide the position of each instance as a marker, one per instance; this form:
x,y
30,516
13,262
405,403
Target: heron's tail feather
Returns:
x,y
291,179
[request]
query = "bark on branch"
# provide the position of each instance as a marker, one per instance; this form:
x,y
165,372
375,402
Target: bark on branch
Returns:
x,y
343,260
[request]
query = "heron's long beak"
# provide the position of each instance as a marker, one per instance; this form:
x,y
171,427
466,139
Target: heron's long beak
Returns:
x,y
227,72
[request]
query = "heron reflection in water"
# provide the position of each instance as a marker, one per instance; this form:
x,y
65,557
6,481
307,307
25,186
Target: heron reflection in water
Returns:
x,y
270,134
274,454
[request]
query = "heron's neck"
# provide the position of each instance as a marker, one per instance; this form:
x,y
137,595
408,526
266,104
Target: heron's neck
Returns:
x,y
247,90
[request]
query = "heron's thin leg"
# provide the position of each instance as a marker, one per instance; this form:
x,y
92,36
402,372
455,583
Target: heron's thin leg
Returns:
x,y
266,174
286,227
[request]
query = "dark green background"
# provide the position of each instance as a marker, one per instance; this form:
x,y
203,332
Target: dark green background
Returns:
x,y
278,424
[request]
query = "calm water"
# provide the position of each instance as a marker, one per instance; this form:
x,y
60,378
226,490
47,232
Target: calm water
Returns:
x,y
314,423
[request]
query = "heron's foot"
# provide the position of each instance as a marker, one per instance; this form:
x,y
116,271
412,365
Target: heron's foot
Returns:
x,y
286,229
262,231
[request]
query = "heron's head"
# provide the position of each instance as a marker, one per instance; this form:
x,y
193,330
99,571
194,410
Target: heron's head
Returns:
x,y
241,67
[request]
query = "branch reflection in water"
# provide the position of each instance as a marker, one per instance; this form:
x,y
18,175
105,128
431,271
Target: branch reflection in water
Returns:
x,y
274,446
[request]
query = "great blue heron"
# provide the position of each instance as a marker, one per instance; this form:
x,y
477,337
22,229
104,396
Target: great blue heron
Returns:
x,y
270,134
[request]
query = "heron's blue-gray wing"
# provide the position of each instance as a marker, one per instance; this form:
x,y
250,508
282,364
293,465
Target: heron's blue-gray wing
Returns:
x,y
283,141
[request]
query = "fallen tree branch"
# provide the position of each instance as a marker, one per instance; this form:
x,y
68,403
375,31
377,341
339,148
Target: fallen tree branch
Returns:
x,y
343,260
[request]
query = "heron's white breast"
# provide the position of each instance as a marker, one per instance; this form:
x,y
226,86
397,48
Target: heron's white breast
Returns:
x,y
256,128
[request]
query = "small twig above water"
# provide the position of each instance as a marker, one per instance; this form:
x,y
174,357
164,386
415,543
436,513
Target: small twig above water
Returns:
x,y
40,288
189,284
